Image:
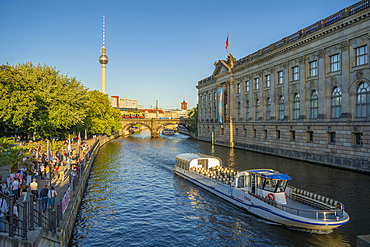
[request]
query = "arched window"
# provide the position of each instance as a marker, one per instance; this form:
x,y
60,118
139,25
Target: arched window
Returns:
x,y
314,104
268,108
296,106
257,109
248,110
363,100
336,103
281,108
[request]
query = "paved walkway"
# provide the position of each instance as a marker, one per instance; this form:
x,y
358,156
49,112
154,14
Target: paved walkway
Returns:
x,y
61,186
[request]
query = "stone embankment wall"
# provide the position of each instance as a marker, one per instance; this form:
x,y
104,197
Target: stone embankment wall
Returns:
x,y
70,215
295,150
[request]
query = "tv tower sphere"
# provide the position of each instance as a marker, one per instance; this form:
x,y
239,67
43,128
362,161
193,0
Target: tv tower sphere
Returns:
x,y
103,59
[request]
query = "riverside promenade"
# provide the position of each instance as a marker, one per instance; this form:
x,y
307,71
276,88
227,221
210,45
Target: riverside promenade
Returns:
x,y
54,227
61,185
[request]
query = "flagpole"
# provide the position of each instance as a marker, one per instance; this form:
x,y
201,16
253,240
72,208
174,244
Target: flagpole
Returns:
x,y
47,150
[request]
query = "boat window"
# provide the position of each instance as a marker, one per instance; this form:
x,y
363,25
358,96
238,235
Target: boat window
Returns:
x,y
261,183
241,182
281,186
248,181
271,184
203,163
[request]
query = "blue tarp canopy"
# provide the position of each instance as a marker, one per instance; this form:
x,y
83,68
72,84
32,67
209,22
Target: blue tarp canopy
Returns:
x,y
271,174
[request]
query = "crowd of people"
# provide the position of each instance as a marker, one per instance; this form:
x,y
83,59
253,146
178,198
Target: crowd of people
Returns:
x,y
53,168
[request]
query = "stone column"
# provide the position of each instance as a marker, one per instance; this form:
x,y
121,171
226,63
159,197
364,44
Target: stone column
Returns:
x,y
231,97
321,86
345,80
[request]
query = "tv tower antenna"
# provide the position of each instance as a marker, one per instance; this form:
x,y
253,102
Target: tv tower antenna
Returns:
x,y
103,59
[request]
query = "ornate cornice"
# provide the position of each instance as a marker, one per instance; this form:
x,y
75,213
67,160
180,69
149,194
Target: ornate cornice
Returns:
x,y
241,64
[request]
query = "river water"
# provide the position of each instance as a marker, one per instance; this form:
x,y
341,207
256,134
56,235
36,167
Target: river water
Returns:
x,y
133,198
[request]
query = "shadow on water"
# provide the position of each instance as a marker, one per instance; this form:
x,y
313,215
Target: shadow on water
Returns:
x,y
134,198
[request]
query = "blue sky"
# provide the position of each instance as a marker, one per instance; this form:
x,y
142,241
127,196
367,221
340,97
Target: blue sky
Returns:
x,y
157,50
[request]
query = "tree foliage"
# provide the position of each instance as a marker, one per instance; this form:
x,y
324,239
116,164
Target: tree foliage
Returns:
x,y
102,117
16,158
193,119
5,143
40,100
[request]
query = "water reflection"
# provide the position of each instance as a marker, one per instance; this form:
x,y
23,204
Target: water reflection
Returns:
x,y
134,198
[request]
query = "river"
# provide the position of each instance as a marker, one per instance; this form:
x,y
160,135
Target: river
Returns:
x,y
133,198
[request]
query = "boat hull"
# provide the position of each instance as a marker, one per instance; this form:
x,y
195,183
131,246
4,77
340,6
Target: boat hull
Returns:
x,y
257,206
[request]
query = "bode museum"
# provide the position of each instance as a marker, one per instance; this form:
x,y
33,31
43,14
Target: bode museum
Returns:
x,y
307,96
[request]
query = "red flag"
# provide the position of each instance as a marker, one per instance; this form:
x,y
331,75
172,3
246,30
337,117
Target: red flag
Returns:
x,y
227,42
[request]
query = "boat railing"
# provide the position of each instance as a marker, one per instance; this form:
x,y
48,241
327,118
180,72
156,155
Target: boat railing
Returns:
x,y
329,215
313,199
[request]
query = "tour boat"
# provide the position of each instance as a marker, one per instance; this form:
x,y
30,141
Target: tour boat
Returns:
x,y
168,132
262,192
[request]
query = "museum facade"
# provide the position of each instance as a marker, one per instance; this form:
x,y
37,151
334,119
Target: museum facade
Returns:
x,y
306,96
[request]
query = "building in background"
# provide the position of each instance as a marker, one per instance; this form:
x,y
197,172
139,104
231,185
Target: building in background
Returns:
x,y
151,113
128,103
124,104
184,105
114,101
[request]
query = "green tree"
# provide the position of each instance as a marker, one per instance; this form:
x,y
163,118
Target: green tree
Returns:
x,y
60,101
193,119
5,143
39,99
101,116
17,101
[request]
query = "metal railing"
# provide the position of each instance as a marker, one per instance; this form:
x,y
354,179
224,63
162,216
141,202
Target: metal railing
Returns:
x,y
30,213
329,215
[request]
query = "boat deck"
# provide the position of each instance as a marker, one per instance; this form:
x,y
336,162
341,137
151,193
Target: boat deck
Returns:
x,y
306,210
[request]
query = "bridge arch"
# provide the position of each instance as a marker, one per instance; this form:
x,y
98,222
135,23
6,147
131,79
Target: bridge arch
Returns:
x,y
129,125
153,124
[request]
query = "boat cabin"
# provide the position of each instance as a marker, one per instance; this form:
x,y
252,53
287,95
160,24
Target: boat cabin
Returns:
x,y
263,182
195,160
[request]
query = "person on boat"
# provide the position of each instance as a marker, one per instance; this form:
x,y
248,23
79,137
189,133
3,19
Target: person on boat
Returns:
x,y
260,185
270,185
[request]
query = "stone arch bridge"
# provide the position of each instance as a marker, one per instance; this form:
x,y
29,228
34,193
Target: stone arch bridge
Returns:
x,y
154,125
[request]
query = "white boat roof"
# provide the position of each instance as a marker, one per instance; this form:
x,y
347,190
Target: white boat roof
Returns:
x,y
193,156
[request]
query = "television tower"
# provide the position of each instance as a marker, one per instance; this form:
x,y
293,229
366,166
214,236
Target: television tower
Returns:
x,y
103,59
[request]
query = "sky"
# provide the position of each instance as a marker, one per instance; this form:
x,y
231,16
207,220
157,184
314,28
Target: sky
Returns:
x,y
157,50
